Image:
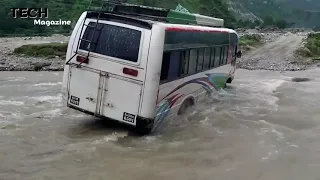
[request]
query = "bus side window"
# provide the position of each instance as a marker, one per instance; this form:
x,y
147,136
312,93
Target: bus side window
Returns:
x,y
193,61
174,66
226,54
217,56
170,69
212,58
165,66
200,60
206,62
221,56
185,56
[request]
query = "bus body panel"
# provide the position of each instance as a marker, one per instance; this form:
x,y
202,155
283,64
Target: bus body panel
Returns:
x,y
196,87
201,83
153,70
73,38
121,99
85,97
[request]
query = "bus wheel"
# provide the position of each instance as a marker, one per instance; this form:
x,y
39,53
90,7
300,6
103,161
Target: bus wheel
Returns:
x,y
229,81
185,105
144,126
143,130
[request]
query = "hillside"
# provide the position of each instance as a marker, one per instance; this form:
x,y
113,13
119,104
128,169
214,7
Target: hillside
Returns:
x,y
301,13
71,10
236,13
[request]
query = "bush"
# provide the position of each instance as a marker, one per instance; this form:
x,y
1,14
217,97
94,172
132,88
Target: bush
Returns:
x,y
250,40
43,50
311,47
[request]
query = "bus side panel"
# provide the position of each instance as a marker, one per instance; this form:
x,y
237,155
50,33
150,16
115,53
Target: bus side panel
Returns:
x,y
194,88
168,95
153,71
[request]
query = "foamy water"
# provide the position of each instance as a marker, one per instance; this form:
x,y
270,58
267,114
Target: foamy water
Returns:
x,y
53,99
113,138
11,102
14,79
47,114
48,84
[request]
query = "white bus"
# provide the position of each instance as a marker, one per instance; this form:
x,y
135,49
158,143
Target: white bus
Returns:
x,y
141,71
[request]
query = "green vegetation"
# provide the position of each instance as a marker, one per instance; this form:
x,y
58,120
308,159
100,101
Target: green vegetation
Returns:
x,y
296,13
250,41
43,50
58,9
72,9
311,47
268,13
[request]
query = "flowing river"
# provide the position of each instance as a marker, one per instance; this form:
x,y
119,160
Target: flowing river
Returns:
x,y
263,126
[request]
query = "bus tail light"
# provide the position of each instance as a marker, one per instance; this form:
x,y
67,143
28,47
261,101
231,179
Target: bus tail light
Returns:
x,y
131,72
82,59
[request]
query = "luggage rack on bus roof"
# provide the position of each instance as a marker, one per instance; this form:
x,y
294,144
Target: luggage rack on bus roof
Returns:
x,y
116,7
155,13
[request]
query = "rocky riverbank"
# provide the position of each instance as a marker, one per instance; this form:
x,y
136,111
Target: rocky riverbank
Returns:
x,y
12,62
276,53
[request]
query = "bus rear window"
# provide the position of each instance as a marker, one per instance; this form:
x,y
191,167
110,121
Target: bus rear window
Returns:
x,y
113,41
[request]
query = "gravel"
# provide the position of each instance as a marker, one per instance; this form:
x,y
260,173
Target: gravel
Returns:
x,y
278,53
12,62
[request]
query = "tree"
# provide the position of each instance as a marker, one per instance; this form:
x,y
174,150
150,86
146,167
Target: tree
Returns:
x,y
257,23
268,21
281,23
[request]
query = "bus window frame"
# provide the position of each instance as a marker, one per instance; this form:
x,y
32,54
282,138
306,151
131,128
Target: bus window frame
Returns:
x,y
187,51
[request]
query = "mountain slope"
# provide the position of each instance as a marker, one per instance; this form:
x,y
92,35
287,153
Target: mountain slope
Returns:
x,y
303,13
72,9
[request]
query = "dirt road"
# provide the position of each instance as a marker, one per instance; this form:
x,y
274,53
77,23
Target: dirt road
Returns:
x,y
276,55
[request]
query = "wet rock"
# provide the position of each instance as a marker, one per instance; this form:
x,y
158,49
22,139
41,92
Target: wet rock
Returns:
x,y
55,68
39,117
300,79
39,65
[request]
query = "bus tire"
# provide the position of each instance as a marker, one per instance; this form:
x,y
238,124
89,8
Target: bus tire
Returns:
x,y
185,105
144,126
229,81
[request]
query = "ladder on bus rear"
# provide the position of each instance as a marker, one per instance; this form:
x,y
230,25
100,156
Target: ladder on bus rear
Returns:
x,y
105,6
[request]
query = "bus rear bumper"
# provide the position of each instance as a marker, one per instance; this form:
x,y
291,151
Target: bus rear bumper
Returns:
x,y
143,125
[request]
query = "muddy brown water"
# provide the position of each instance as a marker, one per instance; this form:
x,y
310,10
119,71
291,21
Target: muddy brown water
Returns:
x,y
263,126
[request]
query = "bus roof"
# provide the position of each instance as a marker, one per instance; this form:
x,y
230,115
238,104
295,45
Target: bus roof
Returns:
x,y
183,27
166,25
